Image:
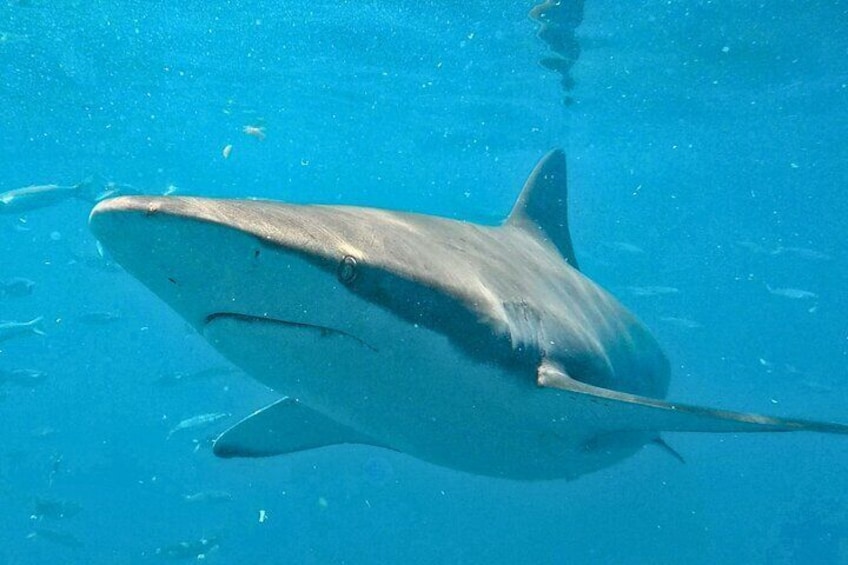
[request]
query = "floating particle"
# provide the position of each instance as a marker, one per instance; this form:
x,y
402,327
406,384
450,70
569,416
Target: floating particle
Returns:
x,y
255,131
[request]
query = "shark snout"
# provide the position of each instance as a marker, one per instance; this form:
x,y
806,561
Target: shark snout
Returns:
x,y
210,267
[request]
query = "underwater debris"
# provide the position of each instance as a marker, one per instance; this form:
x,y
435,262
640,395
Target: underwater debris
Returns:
x,y
255,131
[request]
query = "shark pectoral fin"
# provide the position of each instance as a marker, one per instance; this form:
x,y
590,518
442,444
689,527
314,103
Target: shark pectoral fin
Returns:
x,y
286,426
623,411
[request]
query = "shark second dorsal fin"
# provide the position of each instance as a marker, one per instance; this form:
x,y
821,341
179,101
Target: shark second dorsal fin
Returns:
x,y
286,426
542,206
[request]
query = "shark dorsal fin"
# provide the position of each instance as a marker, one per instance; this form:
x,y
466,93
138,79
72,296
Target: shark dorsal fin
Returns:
x,y
542,206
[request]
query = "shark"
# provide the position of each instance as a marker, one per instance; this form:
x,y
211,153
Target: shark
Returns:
x,y
479,348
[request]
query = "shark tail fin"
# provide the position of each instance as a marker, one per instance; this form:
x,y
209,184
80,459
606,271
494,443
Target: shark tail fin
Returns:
x,y
542,206
93,189
35,326
631,412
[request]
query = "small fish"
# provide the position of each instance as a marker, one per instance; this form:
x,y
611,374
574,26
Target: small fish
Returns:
x,y
211,496
28,198
651,290
793,293
9,37
686,323
55,508
624,246
16,287
197,550
55,536
99,318
198,421
42,432
22,377
92,261
816,386
752,247
802,252
9,329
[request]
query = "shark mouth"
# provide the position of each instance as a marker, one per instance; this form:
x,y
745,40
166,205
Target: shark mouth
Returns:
x,y
324,331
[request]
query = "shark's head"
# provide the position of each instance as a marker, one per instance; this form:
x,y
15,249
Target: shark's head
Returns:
x,y
356,274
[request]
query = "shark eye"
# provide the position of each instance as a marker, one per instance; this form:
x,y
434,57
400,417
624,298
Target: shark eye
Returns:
x,y
347,270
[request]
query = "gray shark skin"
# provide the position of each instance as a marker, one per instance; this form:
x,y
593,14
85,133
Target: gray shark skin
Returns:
x,y
478,348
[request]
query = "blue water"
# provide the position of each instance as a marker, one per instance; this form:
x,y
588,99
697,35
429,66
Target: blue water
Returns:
x,y
708,153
